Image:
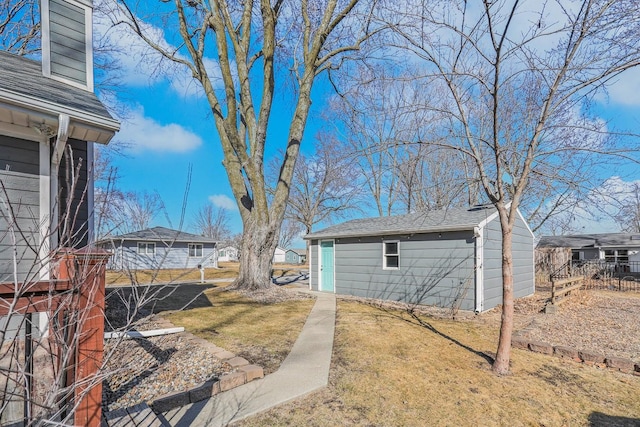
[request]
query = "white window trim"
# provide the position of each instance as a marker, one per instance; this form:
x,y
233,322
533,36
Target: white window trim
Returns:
x,y
384,255
195,245
146,248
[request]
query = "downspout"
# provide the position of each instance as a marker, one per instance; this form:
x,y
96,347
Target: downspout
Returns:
x,y
57,151
478,233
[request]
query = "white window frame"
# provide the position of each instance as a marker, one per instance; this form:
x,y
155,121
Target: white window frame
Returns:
x,y
149,248
385,254
195,247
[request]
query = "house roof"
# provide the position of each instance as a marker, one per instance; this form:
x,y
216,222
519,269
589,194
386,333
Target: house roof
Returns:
x,y
28,98
300,252
454,219
161,234
583,241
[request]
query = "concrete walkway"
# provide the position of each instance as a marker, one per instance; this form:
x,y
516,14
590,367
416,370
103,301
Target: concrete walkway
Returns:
x,y
305,370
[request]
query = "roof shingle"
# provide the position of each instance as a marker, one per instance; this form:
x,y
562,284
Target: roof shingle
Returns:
x,y
420,222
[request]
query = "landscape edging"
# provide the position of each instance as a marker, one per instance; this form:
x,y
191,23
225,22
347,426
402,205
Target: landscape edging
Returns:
x,y
589,358
243,373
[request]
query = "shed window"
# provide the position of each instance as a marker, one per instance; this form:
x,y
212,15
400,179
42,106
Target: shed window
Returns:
x,y
391,255
146,248
195,249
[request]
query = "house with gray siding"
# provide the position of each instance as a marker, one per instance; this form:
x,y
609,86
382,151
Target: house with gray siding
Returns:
x,y
446,258
160,248
49,120
296,256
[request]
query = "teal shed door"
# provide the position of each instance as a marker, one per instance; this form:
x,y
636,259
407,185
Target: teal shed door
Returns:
x,y
326,266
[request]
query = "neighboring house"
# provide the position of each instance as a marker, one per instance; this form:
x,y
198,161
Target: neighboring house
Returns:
x,y
622,249
296,256
228,254
160,248
279,256
447,258
49,120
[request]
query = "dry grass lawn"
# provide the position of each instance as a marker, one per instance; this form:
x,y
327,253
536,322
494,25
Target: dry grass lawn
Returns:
x,y
261,333
226,270
392,369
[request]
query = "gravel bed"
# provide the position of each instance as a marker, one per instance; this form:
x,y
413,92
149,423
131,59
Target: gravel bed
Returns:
x,y
592,320
144,369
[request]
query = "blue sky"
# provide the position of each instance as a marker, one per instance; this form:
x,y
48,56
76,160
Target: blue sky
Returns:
x,y
169,129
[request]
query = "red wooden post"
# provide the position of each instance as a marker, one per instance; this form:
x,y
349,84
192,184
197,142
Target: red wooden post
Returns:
x,y
86,268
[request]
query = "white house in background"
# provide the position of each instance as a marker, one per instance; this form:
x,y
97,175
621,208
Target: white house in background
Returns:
x,y
160,248
279,256
622,249
228,254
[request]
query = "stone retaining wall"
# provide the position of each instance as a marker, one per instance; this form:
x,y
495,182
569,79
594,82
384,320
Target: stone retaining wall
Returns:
x,y
587,357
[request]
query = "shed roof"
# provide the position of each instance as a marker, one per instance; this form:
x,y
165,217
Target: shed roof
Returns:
x,y
26,95
453,219
578,241
161,234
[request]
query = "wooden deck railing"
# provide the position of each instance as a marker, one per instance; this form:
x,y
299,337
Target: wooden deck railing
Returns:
x,y
77,290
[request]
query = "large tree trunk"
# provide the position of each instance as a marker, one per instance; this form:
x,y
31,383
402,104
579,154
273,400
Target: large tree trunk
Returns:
x,y
259,241
501,363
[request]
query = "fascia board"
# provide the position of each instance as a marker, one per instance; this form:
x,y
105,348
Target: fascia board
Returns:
x,y
52,110
465,227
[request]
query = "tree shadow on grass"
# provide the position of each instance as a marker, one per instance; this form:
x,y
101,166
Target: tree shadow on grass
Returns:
x,y
598,419
416,320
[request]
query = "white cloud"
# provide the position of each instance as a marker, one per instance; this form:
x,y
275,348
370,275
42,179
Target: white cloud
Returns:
x,y
141,133
141,65
223,201
625,89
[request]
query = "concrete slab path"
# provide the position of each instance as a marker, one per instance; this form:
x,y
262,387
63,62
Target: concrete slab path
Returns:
x,y
305,370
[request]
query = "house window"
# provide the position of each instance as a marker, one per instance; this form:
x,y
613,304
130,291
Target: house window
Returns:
x,y
146,248
391,255
195,250
619,255
223,253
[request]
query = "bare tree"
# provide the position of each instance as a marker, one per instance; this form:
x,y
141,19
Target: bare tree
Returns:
x,y
374,122
629,215
20,26
289,231
124,212
517,79
432,177
251,42
325,185
213,223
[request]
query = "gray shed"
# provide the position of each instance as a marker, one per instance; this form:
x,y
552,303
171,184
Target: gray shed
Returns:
x,y
446,258
160,248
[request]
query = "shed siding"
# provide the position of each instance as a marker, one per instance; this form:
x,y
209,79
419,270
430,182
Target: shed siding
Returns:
x,y
167,255
20,190
523,268
433,270
313,265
